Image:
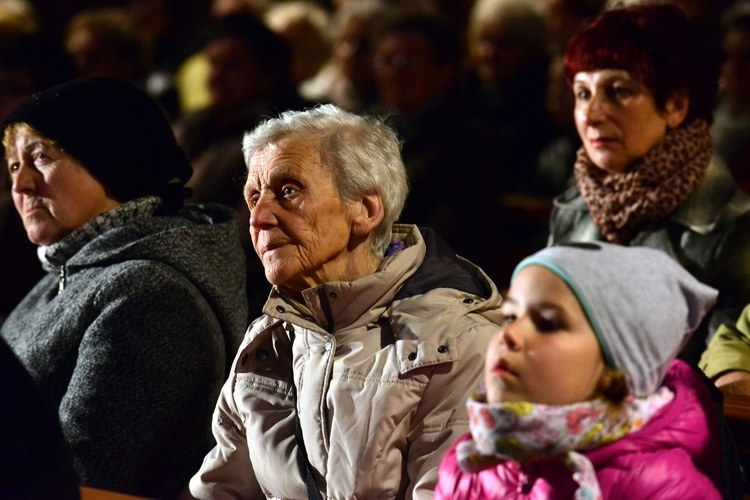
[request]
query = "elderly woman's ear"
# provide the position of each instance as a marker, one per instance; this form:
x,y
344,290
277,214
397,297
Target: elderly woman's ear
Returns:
x,y
676,108
367,214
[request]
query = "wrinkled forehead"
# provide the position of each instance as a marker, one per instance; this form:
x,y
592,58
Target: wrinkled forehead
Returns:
x,y
297,148
294,155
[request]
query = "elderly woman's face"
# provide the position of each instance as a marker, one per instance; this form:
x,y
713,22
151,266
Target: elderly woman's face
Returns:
x,y
300,226
53,193
617,118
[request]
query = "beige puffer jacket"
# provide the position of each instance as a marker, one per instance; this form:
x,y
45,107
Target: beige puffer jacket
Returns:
x,y
382,365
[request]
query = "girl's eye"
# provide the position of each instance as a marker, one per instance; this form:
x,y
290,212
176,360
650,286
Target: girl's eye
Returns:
x,y
582,94
508,319
547,325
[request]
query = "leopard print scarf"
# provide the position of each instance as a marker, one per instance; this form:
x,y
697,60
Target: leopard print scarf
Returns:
x,y
651,189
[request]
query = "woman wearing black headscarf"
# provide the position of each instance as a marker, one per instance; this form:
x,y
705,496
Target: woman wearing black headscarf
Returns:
x,y
129,334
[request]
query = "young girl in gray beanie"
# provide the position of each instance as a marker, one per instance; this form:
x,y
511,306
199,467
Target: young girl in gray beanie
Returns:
x,y
583,397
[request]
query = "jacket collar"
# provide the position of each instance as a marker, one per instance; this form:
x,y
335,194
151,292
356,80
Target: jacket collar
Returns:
x,y
342,304
378,301
701,211
60,252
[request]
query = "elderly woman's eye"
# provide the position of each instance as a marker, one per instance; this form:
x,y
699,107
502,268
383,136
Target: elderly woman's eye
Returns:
x,y
289,190
507,319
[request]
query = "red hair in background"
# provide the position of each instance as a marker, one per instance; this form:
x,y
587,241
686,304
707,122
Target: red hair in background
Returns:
x,y
657,46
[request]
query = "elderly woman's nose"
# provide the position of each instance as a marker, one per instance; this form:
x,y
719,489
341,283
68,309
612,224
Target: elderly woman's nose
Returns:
x,y
262,212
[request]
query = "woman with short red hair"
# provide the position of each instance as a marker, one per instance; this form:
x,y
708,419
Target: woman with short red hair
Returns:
x,y
646,174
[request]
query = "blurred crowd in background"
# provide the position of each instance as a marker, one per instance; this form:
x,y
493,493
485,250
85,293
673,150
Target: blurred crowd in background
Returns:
x,y
475,90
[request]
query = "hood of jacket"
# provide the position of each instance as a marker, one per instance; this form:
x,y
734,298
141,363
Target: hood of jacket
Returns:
x,y
402,297
201,242
684,423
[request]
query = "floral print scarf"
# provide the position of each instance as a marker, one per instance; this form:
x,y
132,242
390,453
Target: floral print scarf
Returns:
x,y
523,432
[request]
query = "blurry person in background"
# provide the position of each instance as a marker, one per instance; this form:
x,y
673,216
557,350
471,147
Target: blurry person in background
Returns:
x,y
509,62
167,28
348,80
130,332
508,80
418,59
17,17
104,42
508,55
248,78
420,69
305,26
731,128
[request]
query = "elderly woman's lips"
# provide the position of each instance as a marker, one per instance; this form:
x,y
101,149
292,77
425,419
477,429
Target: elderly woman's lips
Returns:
x,y
269,247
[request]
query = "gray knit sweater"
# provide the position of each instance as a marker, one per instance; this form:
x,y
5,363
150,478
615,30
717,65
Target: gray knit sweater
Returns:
x,y
129,336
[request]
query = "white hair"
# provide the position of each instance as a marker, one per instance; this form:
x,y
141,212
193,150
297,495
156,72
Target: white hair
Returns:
x,y
362,152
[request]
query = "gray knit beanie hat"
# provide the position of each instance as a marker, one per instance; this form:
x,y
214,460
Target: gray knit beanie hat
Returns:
x,y
642,305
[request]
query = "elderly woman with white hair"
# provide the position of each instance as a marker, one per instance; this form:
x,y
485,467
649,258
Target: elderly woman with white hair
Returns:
x,y
352,383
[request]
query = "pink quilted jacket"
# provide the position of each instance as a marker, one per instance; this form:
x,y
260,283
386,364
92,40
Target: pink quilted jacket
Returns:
x,y
677,455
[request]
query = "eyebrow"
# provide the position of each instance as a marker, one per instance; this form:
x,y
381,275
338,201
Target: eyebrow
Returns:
x,y
608,80
246,189
31,145
34,144
541,306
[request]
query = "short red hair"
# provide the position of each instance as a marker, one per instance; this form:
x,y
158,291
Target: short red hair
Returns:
x,y
657,46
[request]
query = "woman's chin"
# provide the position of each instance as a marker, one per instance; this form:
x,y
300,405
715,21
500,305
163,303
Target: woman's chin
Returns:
x,y
41,238
612,168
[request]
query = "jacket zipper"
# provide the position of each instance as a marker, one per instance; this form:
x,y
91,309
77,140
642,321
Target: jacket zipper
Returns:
x,y
62,276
